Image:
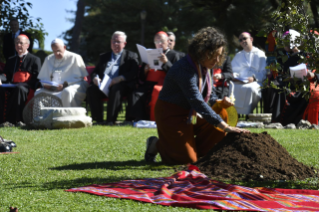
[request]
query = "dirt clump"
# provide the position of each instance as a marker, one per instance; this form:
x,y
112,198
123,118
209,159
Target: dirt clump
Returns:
x,y
252,156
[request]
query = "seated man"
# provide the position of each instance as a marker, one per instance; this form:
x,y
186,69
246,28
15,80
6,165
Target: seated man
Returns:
x,y
248,64
122,67
21,71
67,70
150,77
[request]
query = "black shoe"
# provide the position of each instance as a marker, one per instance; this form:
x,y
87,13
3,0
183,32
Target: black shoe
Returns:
x,y
150,145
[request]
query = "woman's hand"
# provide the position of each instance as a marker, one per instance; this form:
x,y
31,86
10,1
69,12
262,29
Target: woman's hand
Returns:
x,y
224,126
230,129
227,102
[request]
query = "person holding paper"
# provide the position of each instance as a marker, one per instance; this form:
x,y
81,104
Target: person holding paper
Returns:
x,y
120,67
21,71
249,69
62,75
148,77
183,135
275,101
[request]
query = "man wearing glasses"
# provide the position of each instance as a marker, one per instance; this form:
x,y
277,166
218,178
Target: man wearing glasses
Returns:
x,y
150,78
121,66
249,72
19,77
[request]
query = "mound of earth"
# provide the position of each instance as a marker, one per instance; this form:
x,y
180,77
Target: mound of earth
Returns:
x,y
252,157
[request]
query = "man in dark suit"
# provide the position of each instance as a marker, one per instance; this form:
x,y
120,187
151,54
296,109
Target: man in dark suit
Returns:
x,y
8,46
21,71
172,42
121,66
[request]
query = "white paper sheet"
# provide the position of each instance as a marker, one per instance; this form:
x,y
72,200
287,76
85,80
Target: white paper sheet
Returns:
x,y
298,71
150,56
105,84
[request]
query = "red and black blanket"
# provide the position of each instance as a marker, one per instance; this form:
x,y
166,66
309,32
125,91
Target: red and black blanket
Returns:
x,y
194,190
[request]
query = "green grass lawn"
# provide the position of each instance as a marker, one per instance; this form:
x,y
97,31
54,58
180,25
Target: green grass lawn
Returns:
x,y
51,161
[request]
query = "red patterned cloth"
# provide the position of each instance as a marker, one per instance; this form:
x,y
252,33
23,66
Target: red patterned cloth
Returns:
x,y
194,190
312,110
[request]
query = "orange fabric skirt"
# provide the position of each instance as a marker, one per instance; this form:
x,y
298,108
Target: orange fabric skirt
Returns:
x,y
179,142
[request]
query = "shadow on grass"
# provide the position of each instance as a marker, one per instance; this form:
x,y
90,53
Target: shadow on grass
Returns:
x,y
66,184
115,165
80,182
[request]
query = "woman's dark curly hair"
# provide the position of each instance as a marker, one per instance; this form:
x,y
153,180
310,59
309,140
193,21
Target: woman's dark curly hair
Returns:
x,y
205,43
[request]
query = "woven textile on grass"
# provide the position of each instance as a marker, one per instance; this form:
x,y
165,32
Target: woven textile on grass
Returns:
x,y
194,190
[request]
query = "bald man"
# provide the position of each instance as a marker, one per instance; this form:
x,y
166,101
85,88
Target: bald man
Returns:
x,y
249,72
62,75
19,77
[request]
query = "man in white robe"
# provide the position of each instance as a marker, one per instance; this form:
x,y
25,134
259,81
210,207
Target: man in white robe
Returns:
x,y
249,72
62,75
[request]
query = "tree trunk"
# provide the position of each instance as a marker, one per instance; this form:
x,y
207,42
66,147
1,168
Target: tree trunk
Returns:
x,y
75,42
314,13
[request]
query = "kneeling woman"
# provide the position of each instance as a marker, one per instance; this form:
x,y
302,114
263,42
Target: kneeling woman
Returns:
x,y
186,91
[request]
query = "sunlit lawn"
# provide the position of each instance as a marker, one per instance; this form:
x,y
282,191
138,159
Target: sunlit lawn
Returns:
x,y
51,161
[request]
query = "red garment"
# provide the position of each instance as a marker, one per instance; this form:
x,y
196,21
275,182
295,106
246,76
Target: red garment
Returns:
x,y
21,76
312,110
155,93
156,76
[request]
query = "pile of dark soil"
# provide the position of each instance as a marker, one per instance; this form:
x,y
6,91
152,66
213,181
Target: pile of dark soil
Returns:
x,y
252,157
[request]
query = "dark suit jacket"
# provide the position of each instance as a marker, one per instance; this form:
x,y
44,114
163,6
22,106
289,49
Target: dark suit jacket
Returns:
x,y
128,66
8,47
31,64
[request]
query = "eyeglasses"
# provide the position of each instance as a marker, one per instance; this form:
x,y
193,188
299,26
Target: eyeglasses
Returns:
x,y
117,42
159,42
244,38
20,43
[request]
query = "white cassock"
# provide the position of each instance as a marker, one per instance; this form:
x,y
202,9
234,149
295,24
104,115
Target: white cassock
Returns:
x,y
247,64
70,68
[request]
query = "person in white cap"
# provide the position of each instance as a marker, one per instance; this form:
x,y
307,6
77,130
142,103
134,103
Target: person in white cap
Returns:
x,y
62,75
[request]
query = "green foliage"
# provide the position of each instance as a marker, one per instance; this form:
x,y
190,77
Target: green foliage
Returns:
x,y
107,16
51,161
38,35
18,9
295,15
